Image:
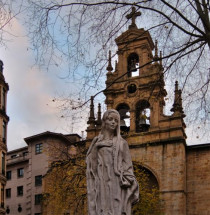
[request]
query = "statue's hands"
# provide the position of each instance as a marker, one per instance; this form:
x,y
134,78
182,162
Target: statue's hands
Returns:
x,y
125,181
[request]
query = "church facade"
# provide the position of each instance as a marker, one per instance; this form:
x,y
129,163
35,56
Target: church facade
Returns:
x,y
157,141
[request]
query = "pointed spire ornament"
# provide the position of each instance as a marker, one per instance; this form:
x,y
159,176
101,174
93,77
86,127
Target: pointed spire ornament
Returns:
x,y
116,65
177,106
91,120
99,122
180,103
1,66
109,67
161,64
176,98
155,58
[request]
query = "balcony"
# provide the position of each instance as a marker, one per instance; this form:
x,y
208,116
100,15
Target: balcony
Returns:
x,y
17,159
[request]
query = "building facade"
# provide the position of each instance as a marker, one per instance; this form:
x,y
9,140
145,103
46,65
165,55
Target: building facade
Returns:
x,y
26,166
157,141
3,136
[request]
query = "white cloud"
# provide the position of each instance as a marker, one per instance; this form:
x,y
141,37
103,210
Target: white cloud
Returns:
x,y
30,105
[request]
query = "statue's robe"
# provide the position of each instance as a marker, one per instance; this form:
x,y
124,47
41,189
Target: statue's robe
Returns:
x,y
111,184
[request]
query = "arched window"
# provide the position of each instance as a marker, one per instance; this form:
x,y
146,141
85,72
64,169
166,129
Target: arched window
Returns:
x,y
142,116
124,112
133,65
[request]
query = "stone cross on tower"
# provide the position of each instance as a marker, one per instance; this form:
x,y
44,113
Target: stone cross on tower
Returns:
x,y
133,16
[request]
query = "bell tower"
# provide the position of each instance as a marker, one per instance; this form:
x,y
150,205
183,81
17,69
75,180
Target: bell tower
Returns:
x,y
136,89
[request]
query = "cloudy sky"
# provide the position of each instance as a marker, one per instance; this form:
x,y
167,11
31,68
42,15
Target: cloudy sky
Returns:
x,y
30,103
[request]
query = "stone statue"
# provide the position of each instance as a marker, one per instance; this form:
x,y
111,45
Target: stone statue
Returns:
x,y
111,185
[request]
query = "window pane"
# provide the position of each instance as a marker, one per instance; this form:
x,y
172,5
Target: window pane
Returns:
x,y
3,163
20,172
38,180
38,199
4,131
4,99
9,175
8,192
20,190
38,148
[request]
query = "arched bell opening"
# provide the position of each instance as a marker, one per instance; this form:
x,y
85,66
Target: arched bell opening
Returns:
x,y
124,112
142,116
133,65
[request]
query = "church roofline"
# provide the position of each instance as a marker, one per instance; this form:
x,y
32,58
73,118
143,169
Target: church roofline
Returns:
x,y
199,146
138,34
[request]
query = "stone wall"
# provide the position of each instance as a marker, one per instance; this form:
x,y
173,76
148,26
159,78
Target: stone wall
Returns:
x,y
167,163
198,180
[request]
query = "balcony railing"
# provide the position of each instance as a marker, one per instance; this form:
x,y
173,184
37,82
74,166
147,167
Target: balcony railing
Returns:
x,y
17,159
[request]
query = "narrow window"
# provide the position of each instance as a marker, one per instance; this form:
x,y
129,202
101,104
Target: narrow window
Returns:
x,y
20,190
4,99
38,180
38,148
20,172
8,193
3,163
9,175
38,199
4,131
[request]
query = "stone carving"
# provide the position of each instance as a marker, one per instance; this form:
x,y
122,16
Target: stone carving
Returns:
x,y
111,185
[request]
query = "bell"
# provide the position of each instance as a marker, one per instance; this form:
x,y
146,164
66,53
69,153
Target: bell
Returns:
x,y
133,66
123,114
122,123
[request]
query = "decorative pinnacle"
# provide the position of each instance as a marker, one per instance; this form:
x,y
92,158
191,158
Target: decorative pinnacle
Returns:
x,y
156,51
109,67
176,86
177,106
161,64
1,66
91,120
99,122
116,65
133,16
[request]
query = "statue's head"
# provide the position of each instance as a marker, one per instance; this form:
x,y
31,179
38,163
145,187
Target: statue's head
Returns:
x,y
109,114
